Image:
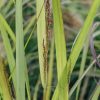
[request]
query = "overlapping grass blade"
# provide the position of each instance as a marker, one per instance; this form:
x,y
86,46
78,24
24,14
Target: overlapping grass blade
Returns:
x,y
81,37
9,53
82,76
7,28
78,44
84,56
20,56
30,24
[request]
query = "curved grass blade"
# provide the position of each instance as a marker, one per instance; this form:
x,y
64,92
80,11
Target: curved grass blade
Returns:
x,y
81,37
82,76
9,53
78,44
95,25
7,28
11,34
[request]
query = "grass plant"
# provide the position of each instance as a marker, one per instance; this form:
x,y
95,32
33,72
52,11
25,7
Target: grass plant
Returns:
x,y
43,66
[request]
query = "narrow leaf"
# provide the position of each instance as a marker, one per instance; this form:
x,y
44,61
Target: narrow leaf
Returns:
x,y
9,53
78,44
41,35
20,58
7,27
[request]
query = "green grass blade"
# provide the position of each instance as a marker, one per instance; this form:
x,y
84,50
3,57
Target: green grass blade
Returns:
x,y
7,27
11,34
61,87
41,34
20,56
59,37
82,76
96,93
36,89
50,72
9,53
27,84
78,43
30,24
60,48
84,56
26,44
81,37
